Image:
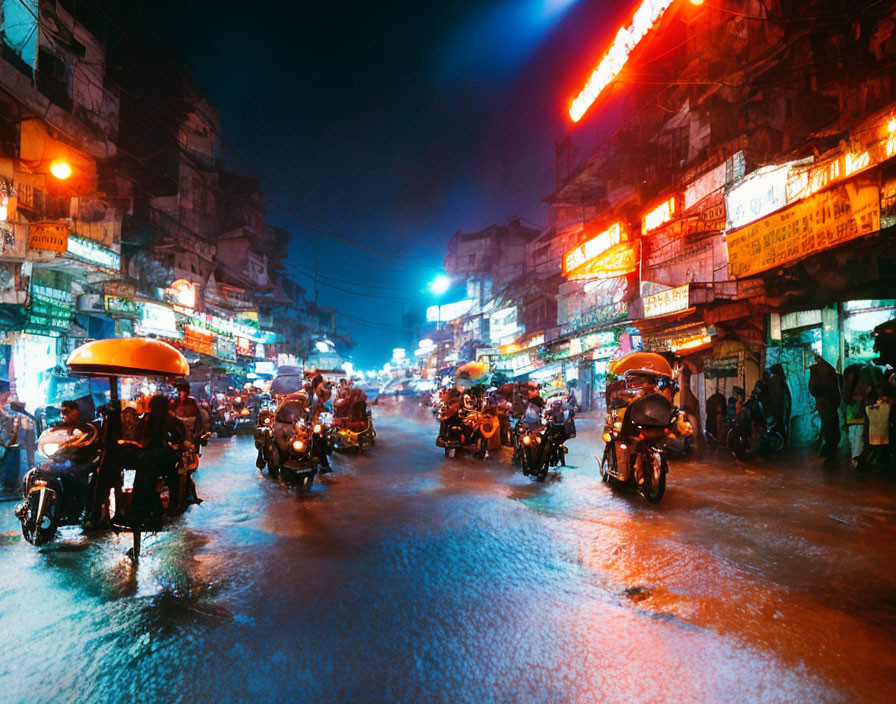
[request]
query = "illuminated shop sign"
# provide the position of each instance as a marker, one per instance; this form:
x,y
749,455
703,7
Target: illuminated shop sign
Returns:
x,y
618,260
159,320
626,40
89,251
806,181
660,215
199,340
673,300
590,250
824,220
761,193
714,180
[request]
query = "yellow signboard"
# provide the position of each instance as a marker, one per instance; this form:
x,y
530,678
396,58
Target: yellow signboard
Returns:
x,y
618,260
673,300
824,220
48,236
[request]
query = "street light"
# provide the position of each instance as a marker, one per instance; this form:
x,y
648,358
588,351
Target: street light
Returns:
x,y
61,169
440,284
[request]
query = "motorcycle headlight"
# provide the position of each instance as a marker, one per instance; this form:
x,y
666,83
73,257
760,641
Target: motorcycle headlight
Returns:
x,y
267,421
317,429
526,439
244,412
617,426
298,445
326,418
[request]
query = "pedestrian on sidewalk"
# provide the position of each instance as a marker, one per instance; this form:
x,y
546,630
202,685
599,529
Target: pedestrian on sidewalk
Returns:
x,y
825,389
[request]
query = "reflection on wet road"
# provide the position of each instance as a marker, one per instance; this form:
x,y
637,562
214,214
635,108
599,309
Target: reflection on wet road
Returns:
x,y
405,577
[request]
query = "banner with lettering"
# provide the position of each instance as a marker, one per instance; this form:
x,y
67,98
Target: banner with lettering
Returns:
x,y
824,220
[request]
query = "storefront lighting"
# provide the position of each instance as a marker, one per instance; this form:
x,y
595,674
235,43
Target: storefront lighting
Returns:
x,y
645,17
856,162
593,248
61,169
94,253
660,215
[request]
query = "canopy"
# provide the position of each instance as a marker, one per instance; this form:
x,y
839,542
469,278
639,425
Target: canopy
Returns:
x,y
644,362
128,356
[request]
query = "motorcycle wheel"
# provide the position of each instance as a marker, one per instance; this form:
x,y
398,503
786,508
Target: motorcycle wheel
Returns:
x,y
306,483
450,452
656,486
39,522
481,448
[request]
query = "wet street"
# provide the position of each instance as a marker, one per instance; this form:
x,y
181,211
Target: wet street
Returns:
x,y
406,577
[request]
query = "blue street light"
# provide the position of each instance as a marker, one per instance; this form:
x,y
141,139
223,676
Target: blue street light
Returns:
x,y
440,285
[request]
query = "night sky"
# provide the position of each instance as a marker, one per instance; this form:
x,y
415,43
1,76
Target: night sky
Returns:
x,y
393,124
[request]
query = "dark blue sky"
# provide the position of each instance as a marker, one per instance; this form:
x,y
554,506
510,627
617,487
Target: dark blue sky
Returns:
x,y
394,124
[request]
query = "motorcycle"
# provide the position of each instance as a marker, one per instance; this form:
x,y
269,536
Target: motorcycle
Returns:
x,y
466,429
539,449
289,445
353,422
88,477
753,434
244,420
223,422
640,421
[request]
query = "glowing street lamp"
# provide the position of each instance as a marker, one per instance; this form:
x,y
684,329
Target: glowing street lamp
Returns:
x,y
61,169
440,284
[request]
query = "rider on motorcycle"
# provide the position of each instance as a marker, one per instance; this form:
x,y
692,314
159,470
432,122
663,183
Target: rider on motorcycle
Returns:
x,y
186,408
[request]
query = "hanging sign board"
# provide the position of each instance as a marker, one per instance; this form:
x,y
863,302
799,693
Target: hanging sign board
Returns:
x,y
673,300
48,236
581,257
618,260
822,221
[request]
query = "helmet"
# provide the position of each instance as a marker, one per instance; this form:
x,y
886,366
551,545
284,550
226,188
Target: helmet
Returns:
x,y
643,363
182,386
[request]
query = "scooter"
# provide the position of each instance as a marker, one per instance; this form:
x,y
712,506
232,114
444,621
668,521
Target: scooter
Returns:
x,y
635,439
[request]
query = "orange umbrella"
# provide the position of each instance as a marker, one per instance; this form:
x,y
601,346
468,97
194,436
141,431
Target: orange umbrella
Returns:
x,y
129,356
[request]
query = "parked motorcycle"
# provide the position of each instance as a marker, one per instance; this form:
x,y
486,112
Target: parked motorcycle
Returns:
x,y
752,434
640,421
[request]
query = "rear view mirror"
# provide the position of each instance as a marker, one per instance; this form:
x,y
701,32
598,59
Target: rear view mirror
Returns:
x,y
17,406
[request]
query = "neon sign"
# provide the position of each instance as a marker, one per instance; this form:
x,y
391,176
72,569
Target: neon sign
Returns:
x,y
660,215
626,40
618,260
590,250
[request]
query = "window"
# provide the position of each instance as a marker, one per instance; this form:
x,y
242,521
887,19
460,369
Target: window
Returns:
x,y
18,29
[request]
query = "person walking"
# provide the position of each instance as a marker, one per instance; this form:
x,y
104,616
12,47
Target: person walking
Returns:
x,y
825,389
